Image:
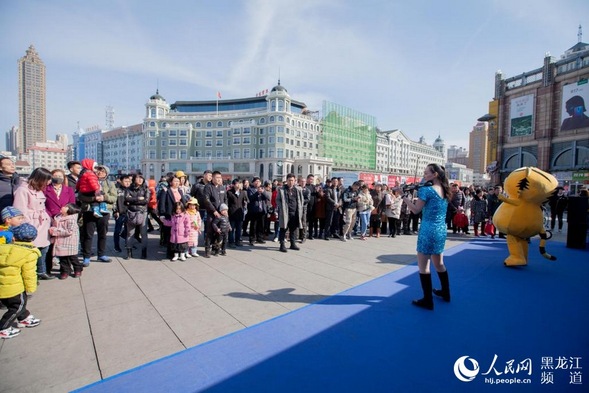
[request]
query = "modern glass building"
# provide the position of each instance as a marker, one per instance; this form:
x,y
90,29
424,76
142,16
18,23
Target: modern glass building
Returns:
x,y
348,137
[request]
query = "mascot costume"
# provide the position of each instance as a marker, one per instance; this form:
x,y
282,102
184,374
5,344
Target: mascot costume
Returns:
x,y
520,215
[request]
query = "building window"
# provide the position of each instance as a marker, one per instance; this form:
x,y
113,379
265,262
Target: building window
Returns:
x,y
219,124
173,133
236,141
280,139
164,143
261,153
219,143
209,154
219,133
183,142
151,142
237,131
197,124
246,153
208,143
208,134
173,154
279,153
236,153
173,142
247,131
197,143
246,140
262,121
209,124
183,132
262,141
164,155
272,119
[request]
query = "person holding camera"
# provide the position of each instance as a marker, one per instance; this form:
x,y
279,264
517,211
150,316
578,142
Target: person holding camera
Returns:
x,y
256,210
350,198
433,201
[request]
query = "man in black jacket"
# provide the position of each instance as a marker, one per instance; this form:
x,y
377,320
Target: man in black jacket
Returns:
x,y
120,211
237,199
9,181
214,196
256,209
310,186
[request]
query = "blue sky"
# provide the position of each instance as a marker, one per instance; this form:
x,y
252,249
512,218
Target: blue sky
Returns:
x,y
425,67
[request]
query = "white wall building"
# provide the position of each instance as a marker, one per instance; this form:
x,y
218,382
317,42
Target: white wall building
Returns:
x,y
266,136
47,157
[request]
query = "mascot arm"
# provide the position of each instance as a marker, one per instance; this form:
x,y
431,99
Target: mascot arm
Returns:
x,y
509,201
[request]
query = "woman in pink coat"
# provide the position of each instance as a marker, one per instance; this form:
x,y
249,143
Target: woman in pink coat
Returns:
x,y
30,199
58,195
180,232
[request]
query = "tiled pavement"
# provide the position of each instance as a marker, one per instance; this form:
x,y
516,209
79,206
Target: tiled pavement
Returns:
x,y
123,314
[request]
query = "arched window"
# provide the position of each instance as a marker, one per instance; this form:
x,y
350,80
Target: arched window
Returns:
x,y
564,159
197,124
219,124
280,105
209,124
262,120
261,175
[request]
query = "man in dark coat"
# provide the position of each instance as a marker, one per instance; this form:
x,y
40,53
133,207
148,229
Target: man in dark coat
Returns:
x,y
9,181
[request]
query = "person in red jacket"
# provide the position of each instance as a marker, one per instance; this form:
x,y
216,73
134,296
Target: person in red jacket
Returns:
x,y
88,184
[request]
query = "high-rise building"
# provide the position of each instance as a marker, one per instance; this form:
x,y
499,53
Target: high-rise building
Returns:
x,y
478,140
12,140
31,100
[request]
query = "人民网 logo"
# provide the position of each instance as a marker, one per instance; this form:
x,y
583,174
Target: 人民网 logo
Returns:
x,y
464,372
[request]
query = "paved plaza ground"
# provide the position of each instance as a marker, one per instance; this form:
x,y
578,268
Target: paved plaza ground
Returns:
x,y
126,313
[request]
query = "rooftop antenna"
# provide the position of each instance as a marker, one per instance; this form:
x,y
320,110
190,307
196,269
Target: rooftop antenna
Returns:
x,y
580,34
278,75
110,117
157,86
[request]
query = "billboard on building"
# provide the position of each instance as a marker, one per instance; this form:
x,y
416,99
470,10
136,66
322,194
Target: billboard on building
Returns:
x,y
521,115
575,97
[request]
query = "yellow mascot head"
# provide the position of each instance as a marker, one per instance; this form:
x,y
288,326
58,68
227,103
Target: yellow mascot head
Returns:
x,y
530,184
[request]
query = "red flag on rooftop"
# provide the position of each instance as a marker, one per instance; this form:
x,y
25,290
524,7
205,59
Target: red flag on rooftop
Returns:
x,y
219,94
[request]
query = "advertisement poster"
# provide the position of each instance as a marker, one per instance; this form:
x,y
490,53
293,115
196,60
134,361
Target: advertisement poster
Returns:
x,y
573,113
521,116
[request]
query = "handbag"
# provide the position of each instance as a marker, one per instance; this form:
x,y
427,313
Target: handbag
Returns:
x,y
489,228
136,218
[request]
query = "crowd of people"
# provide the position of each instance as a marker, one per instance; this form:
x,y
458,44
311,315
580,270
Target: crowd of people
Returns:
x,y
68,211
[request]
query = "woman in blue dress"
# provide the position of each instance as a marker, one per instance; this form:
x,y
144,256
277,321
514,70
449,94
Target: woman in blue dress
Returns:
x,y
433,200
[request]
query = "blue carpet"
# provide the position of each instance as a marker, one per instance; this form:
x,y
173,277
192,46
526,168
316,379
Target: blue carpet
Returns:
x,y
526,324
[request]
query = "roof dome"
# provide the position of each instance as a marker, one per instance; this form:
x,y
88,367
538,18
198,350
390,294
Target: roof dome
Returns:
x,y
157,96
439,139
278,87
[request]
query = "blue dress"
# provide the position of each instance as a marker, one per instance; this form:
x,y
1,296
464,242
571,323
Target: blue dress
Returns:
x,y
432,233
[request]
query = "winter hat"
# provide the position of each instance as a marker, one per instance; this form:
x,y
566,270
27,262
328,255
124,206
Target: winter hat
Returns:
x,y
24,232
223,207
10,212
192,201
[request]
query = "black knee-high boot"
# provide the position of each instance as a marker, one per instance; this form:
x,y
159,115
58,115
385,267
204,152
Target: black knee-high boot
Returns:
x,y
427,301
444,293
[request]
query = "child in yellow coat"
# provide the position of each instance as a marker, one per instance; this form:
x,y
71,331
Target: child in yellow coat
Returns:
x,y
18,276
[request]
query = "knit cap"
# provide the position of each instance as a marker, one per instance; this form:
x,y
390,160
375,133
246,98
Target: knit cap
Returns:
x,y
10,212
223,207
24,232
